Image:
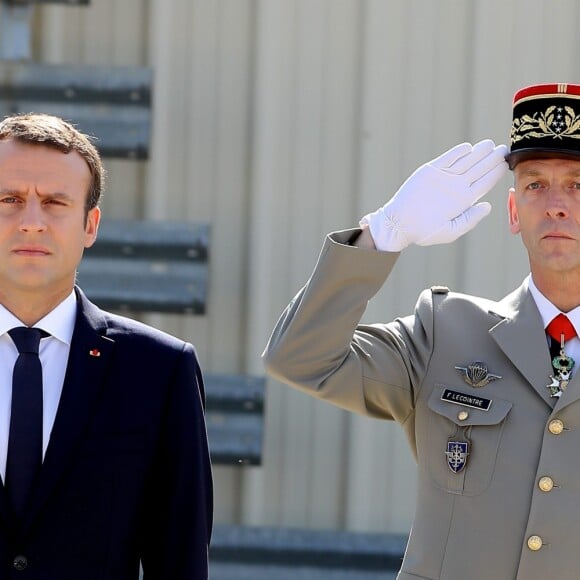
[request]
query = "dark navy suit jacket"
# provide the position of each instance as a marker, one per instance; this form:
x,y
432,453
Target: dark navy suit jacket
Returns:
x,y
126,476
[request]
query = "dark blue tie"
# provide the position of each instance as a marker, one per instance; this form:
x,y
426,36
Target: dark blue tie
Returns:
x,y
25,439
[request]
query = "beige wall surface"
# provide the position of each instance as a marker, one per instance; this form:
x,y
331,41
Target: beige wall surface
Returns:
x,y
279,120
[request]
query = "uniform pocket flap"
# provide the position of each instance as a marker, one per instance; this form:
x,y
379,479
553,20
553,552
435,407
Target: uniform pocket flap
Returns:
x,y
467,407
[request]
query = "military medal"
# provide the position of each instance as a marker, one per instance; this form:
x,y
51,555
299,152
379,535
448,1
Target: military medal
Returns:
x,y
560,329
457,453
562,365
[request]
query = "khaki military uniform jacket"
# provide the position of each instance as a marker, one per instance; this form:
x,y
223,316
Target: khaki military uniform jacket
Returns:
x,y
513,510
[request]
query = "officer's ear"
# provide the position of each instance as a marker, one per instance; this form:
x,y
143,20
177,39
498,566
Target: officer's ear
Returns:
x,y
513,217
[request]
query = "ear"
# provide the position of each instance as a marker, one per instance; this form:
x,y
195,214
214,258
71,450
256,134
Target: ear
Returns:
x,y
92,226
514,219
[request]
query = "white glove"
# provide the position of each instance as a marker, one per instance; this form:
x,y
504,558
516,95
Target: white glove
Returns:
x,y
437,204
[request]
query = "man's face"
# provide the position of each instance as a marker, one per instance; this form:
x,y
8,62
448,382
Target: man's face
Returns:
x,y
544,207
43,230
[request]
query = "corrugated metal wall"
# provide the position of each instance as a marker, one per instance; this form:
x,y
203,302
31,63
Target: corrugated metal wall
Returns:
x,y
279,120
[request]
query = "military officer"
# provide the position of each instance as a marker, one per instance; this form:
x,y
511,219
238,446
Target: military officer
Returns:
x,y
486,391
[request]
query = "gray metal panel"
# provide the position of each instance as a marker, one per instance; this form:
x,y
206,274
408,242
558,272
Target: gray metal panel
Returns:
x,y
113,104
234,417
147,266
180,241
70,2
321,550
235,393
15,31
235,571
234,438
146,286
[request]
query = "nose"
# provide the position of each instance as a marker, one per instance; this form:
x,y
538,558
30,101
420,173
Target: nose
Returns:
x,y
556,206
31,217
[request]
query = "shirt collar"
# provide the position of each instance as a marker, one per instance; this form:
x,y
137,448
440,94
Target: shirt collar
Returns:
x,y
548,311
59,322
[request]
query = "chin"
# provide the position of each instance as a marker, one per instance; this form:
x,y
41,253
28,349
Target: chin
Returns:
x,y
562,266
29,281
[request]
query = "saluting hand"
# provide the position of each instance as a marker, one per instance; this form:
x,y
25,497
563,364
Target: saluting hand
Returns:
x,y
438,202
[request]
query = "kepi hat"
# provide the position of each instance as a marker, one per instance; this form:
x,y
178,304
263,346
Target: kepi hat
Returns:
x,y
546,123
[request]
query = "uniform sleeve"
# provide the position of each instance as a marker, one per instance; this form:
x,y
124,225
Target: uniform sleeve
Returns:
x,y
318,345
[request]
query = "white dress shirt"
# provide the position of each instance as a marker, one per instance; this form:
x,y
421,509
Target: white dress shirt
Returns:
x,y
53,352
548,312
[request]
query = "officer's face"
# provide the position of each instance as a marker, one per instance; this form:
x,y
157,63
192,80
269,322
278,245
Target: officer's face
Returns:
x,y
544,207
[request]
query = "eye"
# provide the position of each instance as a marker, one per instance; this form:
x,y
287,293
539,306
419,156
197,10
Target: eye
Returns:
x,y
9,199
55,201
534,185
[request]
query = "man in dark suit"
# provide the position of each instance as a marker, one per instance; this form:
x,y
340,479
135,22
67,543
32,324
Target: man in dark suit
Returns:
x,y
111,468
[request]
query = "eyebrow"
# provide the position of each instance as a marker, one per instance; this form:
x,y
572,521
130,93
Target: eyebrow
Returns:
x,y
536,173
529,173
12,191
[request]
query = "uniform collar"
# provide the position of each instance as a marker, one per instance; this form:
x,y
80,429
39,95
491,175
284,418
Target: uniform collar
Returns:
x,y
548,311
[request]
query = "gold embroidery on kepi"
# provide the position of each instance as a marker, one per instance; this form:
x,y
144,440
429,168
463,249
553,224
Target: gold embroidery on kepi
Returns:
x,y
546,123
554,122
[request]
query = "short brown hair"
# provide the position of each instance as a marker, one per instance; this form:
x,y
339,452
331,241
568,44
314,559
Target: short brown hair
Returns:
x,y
55,132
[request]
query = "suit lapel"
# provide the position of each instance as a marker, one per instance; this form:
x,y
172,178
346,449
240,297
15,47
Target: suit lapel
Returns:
x,y
571,394
89,355
521,336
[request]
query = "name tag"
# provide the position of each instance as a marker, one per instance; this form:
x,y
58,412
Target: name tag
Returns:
x,y
466,400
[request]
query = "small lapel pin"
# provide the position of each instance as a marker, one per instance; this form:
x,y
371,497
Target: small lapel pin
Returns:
x,y
476,374
95,352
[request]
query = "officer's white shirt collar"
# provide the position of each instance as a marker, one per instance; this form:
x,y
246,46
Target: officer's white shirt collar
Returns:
x,y
548,311
59,322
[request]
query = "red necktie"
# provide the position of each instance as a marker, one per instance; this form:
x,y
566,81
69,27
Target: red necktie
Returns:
x,y
561,325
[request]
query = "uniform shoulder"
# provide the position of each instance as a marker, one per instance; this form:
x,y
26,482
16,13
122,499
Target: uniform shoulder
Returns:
x,y
441,297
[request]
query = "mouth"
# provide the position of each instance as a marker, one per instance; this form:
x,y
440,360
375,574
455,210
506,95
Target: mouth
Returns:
x,y
556,236
31,251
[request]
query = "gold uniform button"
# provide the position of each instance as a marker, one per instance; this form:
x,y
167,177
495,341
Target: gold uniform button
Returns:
x,y
556,427
462,415
534,543
546,483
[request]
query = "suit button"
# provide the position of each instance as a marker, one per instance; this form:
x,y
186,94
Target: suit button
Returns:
x,y
534,543
462,415
556,427
546,483
20,563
